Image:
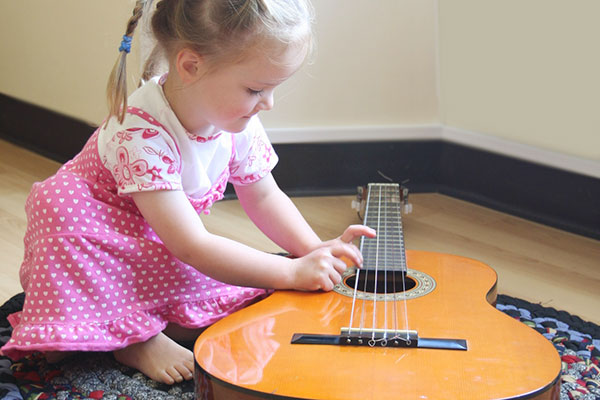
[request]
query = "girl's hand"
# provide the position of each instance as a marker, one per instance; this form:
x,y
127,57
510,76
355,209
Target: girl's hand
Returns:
x,y
322,268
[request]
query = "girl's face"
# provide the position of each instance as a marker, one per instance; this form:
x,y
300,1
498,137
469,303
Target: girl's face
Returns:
x,y
228,96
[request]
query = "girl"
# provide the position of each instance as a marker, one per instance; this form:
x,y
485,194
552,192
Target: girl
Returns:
x,y
116,256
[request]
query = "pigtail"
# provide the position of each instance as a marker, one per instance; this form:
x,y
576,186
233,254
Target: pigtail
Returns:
x,y
116,90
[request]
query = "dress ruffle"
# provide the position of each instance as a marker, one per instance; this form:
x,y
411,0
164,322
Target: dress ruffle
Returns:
x,y
110,335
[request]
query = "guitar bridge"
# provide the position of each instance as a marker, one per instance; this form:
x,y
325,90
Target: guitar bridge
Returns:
x,y
379,338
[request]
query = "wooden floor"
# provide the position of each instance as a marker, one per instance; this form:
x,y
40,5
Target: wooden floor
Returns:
x,y
533,262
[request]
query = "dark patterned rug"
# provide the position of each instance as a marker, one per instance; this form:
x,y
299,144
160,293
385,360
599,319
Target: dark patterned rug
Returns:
x,y
99,376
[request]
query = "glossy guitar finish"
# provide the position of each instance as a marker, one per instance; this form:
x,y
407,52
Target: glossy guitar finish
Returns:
x,y
413,325
248,355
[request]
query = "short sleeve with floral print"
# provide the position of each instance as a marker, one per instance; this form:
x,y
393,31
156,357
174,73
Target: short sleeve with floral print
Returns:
x,y
253,156
141,158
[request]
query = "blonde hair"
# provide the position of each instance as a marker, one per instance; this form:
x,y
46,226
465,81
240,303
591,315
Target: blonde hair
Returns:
x,y
220,30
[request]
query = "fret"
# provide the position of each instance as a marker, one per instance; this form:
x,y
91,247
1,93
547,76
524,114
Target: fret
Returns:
x,y
385,227
382,251
384,214
391,238
389,254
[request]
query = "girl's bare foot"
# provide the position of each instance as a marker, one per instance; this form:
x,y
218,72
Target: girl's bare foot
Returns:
x,y
159,358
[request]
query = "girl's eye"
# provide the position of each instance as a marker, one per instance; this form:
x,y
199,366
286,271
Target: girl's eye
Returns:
x,y
254,92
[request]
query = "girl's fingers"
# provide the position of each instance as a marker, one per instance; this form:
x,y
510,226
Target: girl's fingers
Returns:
x,y
347,250
339,266
328,286
354,231
340,248
351,233
335,278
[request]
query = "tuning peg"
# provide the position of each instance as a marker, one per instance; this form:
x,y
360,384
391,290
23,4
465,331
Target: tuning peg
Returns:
x,y
406,207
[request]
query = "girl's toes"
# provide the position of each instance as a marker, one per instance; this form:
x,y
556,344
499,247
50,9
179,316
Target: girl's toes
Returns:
x,y
174,374
166,378
185,372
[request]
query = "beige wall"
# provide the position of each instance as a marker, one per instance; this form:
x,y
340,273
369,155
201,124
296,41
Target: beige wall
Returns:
x,y
59,54
62,52
526,71
521,71
375,65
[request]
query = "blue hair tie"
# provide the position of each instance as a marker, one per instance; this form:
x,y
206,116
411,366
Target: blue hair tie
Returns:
x,y
125,44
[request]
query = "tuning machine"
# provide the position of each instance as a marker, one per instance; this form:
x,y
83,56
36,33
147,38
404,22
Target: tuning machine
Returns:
x,y
360,201
406,206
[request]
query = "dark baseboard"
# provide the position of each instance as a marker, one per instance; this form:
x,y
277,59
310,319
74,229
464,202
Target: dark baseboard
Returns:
x,y
550,196
56,136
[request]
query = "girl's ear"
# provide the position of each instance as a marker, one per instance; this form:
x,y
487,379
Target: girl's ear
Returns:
x,y
189,65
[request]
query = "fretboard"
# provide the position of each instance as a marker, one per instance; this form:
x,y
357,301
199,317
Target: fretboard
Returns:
x,y
383,213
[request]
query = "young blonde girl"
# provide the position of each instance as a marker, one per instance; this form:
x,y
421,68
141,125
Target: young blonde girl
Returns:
x,y
116,256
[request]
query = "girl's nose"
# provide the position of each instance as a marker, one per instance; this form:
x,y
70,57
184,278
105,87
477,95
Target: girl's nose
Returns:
x,y
267,101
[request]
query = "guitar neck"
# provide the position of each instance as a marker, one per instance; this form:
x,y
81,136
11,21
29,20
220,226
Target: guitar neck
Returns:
x,y
385,252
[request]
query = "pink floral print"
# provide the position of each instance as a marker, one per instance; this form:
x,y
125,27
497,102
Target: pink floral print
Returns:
x,y
125,171
172,165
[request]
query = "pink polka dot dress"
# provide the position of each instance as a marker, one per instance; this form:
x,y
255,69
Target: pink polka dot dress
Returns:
x,y
96,276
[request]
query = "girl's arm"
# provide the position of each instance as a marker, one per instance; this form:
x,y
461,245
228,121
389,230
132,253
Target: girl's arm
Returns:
x,y
180,228
276,216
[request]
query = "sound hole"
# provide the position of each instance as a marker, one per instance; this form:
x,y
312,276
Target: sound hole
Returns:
x,y
387,282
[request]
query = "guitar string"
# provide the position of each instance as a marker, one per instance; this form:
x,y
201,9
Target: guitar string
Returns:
x,y
357,278
404,268
376,266
385,267
391,196
366,277
395,303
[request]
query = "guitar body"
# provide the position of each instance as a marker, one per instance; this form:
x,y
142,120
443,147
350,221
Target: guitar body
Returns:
x,y
248,355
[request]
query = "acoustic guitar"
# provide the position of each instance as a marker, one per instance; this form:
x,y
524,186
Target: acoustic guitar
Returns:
x,y
408,325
